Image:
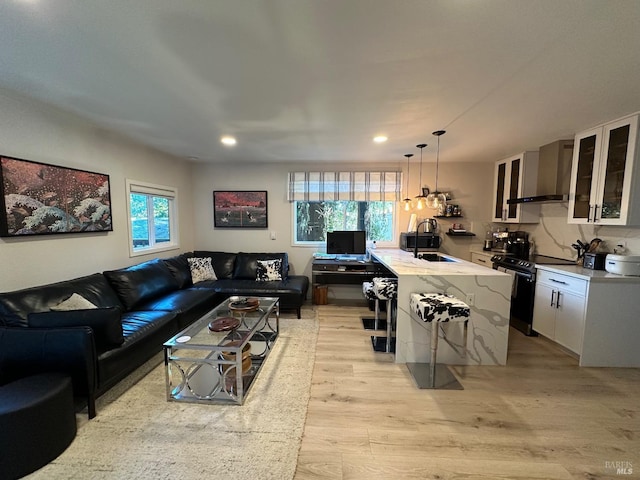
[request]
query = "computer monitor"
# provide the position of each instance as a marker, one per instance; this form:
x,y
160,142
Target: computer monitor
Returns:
x,y
346,242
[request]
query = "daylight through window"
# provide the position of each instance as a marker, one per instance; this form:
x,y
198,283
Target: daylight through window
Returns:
x,y
153,222
331,201
314,219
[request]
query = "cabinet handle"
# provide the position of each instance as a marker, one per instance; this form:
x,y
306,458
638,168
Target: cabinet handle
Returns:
x,y
553,294
589,213
481,260
558,281
595,213
558,300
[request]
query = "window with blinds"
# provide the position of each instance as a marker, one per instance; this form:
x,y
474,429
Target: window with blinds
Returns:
x,y
152,217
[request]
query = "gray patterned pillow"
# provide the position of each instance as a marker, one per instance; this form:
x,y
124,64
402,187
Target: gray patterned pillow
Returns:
x,y
268,270
74,302
201,269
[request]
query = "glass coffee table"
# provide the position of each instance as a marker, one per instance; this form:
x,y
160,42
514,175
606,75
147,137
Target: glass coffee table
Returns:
x,y
217,358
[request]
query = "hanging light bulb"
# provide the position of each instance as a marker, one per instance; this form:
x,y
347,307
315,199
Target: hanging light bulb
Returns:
x,y
407,204
421,200
437,199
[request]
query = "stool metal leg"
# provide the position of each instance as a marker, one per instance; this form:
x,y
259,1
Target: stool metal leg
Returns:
x,y
431,375
434,354
377,315
389,324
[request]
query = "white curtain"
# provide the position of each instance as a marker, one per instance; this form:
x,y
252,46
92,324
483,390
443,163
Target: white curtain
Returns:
x,y
352,186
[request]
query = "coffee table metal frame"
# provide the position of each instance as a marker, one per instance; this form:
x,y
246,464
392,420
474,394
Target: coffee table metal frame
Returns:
x,y
195,369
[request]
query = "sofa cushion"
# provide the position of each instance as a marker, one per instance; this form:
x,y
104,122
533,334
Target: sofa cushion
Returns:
x,y
141,282
105,323
268,270
201,269
15,306
179,268
247,264
74,302
223,263
144,334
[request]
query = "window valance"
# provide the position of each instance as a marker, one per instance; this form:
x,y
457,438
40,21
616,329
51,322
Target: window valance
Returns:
x,y
350,186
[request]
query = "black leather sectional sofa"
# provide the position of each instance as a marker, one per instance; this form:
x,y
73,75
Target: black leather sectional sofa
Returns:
x,y
139,308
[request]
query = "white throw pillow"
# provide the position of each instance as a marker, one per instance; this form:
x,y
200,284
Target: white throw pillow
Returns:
x,y
268,270
201,269
74,302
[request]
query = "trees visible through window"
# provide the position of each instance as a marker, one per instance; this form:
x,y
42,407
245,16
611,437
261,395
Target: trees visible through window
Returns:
x,y
313,219
152,218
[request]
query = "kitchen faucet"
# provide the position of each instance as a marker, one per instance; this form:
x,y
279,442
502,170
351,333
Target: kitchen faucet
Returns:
x,y
415,243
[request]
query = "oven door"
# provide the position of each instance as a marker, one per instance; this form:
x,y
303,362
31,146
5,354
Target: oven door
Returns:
x,y
522,297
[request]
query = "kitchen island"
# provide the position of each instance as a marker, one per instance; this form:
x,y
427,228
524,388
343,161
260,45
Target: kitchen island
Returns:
x,y
483,341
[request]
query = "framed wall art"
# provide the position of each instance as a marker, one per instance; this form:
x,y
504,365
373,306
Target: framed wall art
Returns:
x,y
40,199
240,209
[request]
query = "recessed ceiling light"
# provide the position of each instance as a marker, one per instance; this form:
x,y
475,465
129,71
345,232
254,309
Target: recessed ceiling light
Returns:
x,y
228,141
380,139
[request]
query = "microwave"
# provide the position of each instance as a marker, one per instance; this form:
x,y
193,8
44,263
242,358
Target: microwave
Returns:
x,y
426,241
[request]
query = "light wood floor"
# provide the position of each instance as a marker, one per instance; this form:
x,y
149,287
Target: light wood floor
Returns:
x,y
540,417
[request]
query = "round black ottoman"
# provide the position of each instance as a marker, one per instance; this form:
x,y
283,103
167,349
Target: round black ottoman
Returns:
x,y
37,422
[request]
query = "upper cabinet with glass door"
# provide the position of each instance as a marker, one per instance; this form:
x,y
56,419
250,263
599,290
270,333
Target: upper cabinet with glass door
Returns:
x,y
516,177
603,174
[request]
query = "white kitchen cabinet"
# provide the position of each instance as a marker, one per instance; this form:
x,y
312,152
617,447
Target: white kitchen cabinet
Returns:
x,y
603,173
559,309
483,259
516,177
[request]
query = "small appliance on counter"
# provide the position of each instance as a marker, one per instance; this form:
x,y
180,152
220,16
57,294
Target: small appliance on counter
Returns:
x,y
500,240
623,264
594,260
518,245
426,241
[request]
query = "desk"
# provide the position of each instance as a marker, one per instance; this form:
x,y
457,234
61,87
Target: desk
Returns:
x,y
346,272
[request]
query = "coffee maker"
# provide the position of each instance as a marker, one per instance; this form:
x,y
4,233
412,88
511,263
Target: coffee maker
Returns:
x,y
500,242
518,245
512,243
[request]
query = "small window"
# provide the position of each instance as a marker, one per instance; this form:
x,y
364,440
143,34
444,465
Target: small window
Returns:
x,y
314,219
153,224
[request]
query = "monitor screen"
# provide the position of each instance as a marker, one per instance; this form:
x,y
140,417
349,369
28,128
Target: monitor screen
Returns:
x,y
347,242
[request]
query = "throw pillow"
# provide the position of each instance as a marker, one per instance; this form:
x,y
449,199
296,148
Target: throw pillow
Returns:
x,y
74,302
105,323
268,270
201,269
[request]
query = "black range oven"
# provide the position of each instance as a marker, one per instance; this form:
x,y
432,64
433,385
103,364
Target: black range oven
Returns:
x,y
523,273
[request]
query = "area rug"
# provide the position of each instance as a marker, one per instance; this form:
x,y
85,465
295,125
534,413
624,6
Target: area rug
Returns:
x,y
138,434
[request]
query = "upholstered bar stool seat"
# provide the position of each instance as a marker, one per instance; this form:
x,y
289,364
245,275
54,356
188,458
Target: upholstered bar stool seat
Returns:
x,y
436,308
386,289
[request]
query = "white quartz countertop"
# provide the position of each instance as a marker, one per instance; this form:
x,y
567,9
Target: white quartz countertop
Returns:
x,y
403,263
587,274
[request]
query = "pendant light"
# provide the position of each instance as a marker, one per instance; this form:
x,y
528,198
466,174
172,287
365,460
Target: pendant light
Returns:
x,y
407,204
437,199
421,200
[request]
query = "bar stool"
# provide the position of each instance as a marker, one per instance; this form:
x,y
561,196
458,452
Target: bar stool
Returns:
x,y
386,289
370,295
436,308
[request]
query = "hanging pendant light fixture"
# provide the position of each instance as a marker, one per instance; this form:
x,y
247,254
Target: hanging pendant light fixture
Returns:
x,y
407,204
437,199
421,200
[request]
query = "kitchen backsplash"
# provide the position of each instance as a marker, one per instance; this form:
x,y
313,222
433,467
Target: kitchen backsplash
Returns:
x,y
554,236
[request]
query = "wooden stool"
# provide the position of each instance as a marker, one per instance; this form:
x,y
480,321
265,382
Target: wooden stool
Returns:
x,y
436,308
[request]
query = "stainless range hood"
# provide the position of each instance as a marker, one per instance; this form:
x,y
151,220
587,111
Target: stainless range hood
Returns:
x,y
554,174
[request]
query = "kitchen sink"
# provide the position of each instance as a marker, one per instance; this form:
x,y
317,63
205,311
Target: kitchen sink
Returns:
x,y
434,257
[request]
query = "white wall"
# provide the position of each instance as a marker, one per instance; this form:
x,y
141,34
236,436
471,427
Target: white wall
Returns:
x,y
467,183
33,131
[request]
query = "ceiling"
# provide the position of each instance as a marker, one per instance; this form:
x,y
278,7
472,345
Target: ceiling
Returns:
x,y
316,80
